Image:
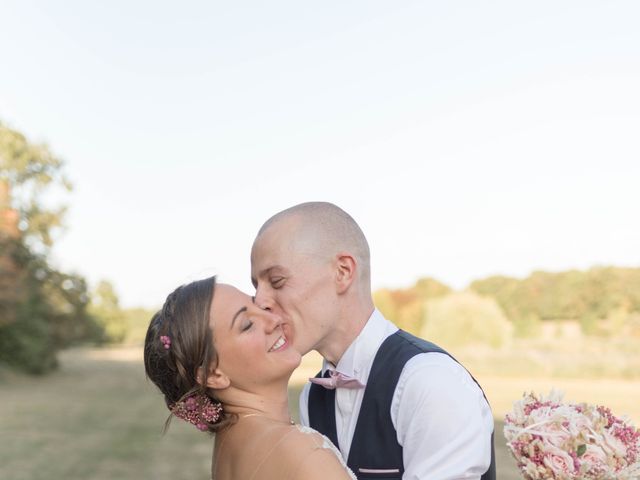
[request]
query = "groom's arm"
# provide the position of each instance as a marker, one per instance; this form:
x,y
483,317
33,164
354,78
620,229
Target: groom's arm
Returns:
x,y
442,419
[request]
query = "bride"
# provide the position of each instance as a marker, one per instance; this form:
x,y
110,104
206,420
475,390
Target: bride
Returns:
x,y
223,364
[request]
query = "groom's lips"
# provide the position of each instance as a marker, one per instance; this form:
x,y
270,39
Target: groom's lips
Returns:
x,y
288,332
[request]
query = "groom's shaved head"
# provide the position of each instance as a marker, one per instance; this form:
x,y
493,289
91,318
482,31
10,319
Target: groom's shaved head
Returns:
x,y
310,265
322,229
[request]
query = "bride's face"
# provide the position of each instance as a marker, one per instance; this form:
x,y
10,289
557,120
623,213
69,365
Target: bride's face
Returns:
x,y
251,346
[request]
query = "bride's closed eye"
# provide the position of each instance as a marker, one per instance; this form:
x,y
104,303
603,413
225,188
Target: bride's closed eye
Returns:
x,y
246,325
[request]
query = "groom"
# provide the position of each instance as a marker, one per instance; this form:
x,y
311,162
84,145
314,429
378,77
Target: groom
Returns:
x,y
396,406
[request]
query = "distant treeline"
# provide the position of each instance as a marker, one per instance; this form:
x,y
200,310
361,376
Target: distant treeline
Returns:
x,y
603,300
592,297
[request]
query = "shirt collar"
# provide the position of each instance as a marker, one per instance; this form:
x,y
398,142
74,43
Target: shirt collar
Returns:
x,y
357,359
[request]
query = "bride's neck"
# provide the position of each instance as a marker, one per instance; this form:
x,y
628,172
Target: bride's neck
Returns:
x,y
272,404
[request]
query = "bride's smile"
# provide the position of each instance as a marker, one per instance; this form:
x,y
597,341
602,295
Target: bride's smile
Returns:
x,y
280,343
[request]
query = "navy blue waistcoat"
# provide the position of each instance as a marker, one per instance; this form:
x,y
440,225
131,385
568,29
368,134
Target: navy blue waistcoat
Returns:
x,y
375,452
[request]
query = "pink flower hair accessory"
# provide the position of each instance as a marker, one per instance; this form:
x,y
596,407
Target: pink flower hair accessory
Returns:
x,y
198,410
166,341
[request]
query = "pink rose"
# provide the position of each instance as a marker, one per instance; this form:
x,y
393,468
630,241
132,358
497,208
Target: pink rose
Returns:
x,y
558,461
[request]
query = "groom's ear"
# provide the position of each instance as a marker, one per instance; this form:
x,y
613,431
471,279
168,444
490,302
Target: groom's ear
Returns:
x,y
216,379
345,271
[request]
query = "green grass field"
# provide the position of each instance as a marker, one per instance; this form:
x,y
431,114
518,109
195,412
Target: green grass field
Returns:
x,y
99,418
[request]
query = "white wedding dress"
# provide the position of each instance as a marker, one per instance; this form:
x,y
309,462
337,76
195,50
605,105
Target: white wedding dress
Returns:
x,y
327,444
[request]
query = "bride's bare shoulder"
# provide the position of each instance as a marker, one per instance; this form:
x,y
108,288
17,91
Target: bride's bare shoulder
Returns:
x,y
282,452
310,456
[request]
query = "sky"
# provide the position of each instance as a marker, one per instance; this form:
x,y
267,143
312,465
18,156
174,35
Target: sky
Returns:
x,y
466,138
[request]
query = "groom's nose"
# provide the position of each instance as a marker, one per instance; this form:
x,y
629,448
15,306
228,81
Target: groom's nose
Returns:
x,y
272,321
262,301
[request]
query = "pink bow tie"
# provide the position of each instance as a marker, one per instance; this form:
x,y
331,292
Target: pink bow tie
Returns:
x,y
337,380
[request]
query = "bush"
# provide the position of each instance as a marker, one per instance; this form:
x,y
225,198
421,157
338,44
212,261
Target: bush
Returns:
x,y
137,322
466,318
529,326
105,309
50,315
28,343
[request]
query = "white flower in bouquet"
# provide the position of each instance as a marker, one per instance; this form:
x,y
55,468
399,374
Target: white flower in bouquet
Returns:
x,y
562,441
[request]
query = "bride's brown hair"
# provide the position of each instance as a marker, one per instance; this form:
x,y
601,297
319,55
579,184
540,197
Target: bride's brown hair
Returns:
x,y
178,348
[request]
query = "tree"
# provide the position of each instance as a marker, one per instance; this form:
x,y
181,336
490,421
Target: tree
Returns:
x,y
42,309
27,171
602,299
405,307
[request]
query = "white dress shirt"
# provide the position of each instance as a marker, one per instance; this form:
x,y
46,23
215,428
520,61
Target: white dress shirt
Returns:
x,y
442,420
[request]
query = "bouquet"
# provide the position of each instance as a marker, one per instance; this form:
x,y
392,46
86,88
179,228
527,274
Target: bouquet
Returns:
x,y
554,440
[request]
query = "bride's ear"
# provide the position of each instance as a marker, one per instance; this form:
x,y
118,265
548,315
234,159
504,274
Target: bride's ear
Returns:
x,y
216,379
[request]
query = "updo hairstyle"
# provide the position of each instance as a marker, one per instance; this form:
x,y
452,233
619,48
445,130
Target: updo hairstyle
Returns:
x,y
179,342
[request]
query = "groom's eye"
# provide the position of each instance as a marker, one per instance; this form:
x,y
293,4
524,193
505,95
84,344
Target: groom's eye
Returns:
x,y
277,282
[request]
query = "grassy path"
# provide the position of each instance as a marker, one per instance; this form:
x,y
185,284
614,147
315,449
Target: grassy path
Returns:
x,y
98,418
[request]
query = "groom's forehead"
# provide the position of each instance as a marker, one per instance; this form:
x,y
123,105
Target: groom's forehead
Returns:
x,y
269,253
282,246
269,241
277,245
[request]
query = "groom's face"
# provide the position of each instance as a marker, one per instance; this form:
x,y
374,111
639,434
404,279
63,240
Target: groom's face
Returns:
x,y
295,282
